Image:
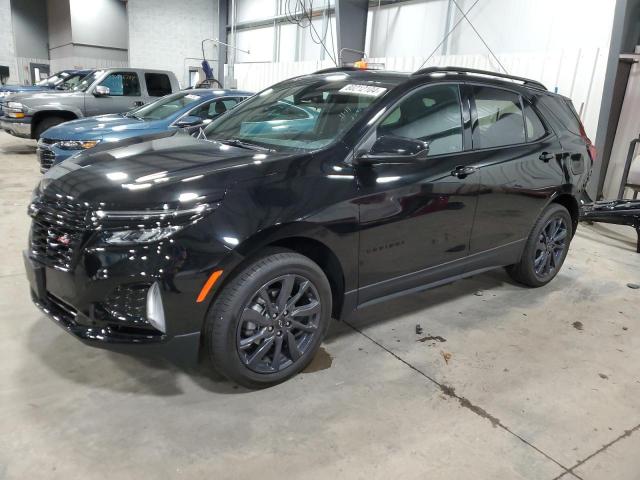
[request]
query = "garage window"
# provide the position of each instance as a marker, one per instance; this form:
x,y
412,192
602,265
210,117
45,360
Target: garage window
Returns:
x,y
499,118
158,84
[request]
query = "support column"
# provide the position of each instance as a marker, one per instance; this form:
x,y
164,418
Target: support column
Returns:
x,y
351,28
223,11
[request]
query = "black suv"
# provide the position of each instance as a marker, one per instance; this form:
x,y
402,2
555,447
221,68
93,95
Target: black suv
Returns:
x,y
320,195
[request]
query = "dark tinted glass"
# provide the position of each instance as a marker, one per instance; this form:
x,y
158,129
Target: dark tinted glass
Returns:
x,y
535,128
158,84
500,120
563,111
431,114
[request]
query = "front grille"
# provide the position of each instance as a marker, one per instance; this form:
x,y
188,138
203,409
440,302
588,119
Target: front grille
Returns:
x,y
128,304
46,157
57,232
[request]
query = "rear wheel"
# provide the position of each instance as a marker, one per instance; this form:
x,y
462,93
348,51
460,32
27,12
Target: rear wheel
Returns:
x,y
268,322
546,248
45,124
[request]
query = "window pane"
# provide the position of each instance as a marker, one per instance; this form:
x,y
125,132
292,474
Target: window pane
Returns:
x,y
158,84
432,115
535,128
122,84
500,120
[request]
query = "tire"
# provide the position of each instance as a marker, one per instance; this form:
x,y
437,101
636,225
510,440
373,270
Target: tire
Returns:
x,y
242,337
538,266
45,124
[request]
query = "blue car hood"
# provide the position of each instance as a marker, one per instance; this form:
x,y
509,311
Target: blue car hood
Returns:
x,y
106,127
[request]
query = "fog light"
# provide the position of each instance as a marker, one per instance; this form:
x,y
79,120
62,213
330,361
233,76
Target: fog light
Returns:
x,y
155,312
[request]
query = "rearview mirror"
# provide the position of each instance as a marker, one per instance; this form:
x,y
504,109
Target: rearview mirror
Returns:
x,y
188,121
101,91
392,148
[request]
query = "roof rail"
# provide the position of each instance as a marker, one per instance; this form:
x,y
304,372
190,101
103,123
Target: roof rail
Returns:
x,y
471,71
338,69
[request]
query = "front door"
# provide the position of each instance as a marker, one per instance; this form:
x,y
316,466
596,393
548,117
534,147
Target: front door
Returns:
x,y
416,215
124,94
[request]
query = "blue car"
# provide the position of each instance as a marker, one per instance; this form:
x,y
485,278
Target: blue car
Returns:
x,y
63,80
187,110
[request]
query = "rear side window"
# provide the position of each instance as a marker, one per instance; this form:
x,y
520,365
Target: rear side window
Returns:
x,y
500,120
158,84
432,114
535,127
122,84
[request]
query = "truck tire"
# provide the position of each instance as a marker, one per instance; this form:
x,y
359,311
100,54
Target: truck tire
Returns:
x,y
45,124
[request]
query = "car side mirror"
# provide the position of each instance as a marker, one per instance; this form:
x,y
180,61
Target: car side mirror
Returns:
x,y
188,121
101,91
389,148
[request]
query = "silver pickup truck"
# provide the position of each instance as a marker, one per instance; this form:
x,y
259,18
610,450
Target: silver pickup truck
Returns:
x,y
113,90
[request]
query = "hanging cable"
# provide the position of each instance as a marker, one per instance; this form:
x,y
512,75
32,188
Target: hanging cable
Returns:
x,y
447,35
464,15
302,16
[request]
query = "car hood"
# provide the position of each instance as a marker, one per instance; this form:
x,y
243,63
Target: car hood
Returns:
x,y
21,88
102,127
153,170
43,97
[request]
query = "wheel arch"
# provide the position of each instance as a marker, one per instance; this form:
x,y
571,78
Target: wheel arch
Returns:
x,y
42,114
569,202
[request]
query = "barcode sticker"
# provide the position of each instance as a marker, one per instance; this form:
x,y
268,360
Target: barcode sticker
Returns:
x,y
367,90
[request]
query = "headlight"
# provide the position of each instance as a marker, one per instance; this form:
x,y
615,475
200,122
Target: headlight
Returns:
x,y
143,235
4,94
77,144
15,110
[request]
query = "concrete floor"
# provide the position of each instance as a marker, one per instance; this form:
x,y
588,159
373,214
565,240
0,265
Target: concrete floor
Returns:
x,y
514,388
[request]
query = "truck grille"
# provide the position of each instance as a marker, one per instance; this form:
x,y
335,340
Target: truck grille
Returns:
x,y
57,231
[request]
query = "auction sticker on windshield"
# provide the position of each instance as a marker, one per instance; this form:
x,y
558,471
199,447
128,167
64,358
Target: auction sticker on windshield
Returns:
x,y
368,90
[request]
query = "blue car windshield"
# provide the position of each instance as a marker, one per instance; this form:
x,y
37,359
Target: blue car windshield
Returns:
x,y
303,114
166,106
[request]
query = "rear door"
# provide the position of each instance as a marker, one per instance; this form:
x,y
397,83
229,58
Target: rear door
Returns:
x,y
125,93
416,215
520,163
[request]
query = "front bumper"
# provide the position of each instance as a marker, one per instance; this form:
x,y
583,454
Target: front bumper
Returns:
x,y
18,127
76,302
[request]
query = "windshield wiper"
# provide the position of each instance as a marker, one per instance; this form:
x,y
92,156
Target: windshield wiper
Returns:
x,y
133,115
234,142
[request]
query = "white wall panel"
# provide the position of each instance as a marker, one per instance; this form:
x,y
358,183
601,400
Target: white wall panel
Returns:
x,y
7,47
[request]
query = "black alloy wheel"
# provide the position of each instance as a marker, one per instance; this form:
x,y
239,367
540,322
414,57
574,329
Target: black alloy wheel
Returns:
x,y
279,323
552,243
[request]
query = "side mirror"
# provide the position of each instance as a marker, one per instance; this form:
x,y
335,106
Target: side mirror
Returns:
x,y
207,121
188,121
101,91
389,148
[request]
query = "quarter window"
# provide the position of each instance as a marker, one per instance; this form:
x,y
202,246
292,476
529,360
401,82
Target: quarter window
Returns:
x,y
122,84
431,114
500,120
535,128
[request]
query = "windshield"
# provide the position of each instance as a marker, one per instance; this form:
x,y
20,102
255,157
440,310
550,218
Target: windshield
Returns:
x,y
166,106
53,79
86,81
303,114
70,82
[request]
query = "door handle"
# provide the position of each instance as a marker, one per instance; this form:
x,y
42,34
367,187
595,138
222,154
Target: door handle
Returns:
x,y
463,172
138,103
546,157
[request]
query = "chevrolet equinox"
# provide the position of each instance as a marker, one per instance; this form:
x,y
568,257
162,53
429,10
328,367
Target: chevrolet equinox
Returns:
x,y
320,195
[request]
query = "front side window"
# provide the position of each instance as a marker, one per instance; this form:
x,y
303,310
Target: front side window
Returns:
x,y
122,84
302,114
167,106
499,118
431,114
215,108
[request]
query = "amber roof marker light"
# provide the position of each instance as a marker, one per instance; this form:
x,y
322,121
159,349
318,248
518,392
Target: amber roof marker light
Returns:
x,y
206,288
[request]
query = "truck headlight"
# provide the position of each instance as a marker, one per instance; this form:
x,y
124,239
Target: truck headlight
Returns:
x,y
15,110
142,235
77,144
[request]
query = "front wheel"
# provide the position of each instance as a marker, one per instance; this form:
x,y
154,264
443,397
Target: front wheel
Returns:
x,y
267,323
546,248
